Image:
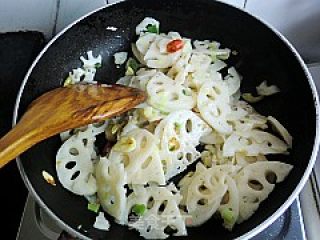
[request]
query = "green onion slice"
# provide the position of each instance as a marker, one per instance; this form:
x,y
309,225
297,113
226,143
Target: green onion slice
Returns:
x,y
139,209
94,207
152,29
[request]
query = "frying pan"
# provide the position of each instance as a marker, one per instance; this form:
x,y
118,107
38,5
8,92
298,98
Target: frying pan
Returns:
x,y
263,54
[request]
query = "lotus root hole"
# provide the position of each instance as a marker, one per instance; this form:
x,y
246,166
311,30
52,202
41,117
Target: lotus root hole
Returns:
x,y
255,185
271,177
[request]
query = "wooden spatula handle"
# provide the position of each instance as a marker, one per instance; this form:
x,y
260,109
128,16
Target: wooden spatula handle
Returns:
x,y
14,143
63,109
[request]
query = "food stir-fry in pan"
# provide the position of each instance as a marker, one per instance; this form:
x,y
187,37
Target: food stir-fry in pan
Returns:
x,y
195,124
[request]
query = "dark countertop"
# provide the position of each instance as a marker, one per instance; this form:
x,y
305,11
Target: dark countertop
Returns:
x,y
17,51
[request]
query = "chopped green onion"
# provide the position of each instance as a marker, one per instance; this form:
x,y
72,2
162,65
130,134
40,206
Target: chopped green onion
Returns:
x,y
94,207
227,216
98,65
139,209
68,82
250,98
133,64
152,29
129,72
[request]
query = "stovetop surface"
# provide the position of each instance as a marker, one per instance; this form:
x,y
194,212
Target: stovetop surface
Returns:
x,y
17,50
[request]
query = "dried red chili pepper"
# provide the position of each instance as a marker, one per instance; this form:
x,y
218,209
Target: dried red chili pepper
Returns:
x,y
174,45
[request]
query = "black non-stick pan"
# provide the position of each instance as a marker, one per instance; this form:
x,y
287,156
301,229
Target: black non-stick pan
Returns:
x,y
263,54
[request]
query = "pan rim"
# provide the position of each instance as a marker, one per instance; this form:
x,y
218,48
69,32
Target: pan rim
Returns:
x,y
263,225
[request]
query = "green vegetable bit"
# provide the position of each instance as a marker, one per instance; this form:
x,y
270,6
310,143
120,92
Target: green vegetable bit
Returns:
x,y
68,82
98,65
132,65
227,216
94,207
129,72
152,29
139,209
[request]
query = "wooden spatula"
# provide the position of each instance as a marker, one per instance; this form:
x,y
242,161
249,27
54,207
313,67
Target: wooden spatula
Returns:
x,y
66,108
